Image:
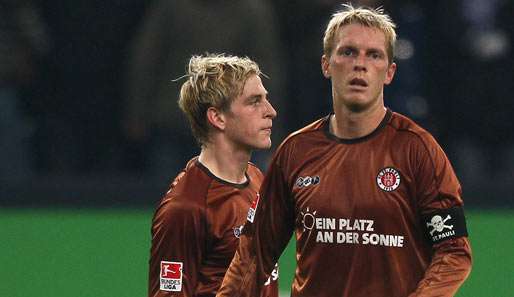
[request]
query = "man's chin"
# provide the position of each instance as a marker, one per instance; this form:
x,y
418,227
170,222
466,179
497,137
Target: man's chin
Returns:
x,y
358,105
264,145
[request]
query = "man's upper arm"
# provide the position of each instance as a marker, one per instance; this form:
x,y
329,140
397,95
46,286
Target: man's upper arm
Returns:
x,y
440,207
178,239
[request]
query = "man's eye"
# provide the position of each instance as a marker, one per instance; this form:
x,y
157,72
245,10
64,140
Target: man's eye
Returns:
x,y
347,52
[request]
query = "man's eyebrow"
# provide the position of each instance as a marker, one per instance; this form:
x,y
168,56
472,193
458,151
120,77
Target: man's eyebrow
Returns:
x,y
375,50
354,48
256,96
348,46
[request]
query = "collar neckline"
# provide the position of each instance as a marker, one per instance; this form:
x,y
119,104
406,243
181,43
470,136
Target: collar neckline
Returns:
x,y
383,123
220,180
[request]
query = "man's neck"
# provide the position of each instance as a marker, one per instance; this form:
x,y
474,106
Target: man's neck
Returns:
x,y
225,162
347,124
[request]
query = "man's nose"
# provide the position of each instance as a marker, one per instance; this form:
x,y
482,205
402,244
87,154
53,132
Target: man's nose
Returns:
x,y
360,63
270,111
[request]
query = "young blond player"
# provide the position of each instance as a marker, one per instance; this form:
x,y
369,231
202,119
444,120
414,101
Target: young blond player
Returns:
x,y
196,227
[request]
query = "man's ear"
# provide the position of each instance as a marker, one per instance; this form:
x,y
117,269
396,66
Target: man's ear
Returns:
x,y
324,66
216,118
391,70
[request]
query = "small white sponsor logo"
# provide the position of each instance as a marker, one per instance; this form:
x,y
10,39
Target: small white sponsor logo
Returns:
x,y
253,208
308,219
307,181
388,179
171,276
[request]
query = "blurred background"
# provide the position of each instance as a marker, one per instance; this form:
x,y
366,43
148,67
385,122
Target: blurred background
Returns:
x,y
91,135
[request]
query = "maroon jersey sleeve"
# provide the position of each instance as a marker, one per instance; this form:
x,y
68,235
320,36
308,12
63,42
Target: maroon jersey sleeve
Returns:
x,y
265,236
178,246
438,190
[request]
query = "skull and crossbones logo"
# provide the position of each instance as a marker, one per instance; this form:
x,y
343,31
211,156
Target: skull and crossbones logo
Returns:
x,y
438,224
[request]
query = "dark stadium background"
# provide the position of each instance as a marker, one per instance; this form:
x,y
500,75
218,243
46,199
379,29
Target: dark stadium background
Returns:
x,y
79,178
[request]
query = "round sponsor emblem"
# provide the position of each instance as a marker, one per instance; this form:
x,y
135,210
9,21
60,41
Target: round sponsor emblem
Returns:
x,y
388,179
238,231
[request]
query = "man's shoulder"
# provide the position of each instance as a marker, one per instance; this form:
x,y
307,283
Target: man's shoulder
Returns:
x,y
409,130
255,174
254,170
190,184
313,129
402,123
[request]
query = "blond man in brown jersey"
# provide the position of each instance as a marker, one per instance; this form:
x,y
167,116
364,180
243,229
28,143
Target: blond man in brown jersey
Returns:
x,y
196,227
371,197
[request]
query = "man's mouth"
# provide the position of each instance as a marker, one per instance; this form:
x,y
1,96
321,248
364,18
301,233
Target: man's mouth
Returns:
x,y
358,82
268,129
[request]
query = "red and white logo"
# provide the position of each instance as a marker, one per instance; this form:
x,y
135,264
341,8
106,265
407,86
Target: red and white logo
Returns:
x,y
253,208
388,179
171,276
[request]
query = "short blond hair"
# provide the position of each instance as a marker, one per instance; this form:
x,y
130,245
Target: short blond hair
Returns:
x,y
213,80
369,17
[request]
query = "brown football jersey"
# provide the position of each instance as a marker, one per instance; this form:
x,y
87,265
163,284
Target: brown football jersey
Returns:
x,y
376,216
195,232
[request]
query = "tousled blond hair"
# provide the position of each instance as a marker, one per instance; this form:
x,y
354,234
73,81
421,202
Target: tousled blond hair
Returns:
x,y
213,80
369,17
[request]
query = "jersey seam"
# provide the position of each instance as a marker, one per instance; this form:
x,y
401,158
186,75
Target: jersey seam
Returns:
x,y
416,134
246,277
206,222
282,175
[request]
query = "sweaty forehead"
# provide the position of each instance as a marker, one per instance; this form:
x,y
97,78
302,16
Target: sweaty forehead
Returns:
x,y
360,36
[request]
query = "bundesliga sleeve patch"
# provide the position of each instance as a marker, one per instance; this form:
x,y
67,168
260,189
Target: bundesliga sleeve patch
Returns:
x,y
171,276
445,224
